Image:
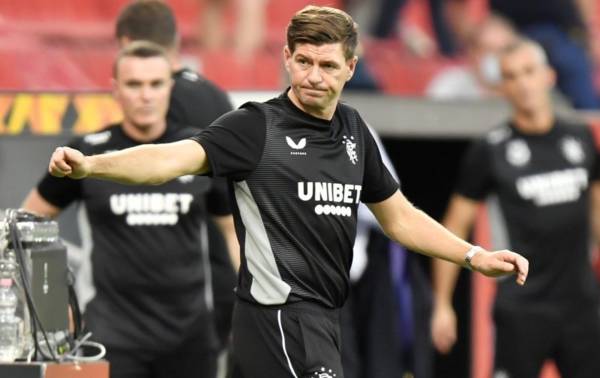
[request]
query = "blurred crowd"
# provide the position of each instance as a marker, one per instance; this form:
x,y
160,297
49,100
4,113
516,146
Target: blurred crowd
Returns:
x,y
461,34
409,47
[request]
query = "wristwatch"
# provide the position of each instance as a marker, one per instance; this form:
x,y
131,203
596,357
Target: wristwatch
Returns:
x,y
470,253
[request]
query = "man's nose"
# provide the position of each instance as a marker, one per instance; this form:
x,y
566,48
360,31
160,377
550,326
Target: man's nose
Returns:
x,y
315,74
146,92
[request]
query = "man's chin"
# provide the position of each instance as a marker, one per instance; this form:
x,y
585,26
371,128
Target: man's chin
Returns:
x,y
313,93
313,103
143,124
528,105
314,98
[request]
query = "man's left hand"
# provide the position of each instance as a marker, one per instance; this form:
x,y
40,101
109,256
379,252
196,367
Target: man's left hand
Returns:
x,y
501,263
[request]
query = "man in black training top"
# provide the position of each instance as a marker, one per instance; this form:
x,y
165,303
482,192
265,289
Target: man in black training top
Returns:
x,y
149,260
543,172
195,101
297,167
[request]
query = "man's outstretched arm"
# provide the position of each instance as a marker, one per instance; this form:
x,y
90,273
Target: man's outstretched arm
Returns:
x,y
148,164
411,227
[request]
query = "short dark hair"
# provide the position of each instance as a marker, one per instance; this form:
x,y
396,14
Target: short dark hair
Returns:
x,y
150,20
321,25
139,49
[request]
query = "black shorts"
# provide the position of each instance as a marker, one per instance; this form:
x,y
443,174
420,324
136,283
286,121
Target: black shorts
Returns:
x,y
297,340
526,336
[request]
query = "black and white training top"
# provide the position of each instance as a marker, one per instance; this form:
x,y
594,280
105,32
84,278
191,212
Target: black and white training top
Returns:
x,y
149,255
541,186
296,181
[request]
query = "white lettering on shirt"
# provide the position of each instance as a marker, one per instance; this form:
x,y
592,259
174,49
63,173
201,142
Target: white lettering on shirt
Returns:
x,y
151,208
553,187
335,193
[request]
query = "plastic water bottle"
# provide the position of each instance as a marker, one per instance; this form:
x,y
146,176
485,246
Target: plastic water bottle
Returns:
x,y
11,326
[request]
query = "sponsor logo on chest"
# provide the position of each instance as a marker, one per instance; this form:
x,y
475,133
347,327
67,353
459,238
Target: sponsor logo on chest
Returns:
x,y
554,187
298,147
151,209
335,198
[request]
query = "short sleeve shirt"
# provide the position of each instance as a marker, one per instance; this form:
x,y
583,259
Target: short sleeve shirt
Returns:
x,y
296,181
541,185
146,260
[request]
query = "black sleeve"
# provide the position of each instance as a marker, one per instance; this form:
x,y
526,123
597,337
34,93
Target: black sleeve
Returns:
x,y
234,143
222,104
60,192
378,182
594,140
217,199
196,102
474,178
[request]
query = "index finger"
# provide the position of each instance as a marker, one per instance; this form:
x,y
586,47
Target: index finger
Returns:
x,y
60,159
522,269
57,165
521,265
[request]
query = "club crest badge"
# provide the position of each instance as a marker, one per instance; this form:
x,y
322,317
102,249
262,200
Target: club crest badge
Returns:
x,y
518,153
351,149
572,150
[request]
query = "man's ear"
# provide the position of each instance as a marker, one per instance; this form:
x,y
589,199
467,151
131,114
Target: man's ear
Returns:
x,y
287,57
115,88
351,66
551,77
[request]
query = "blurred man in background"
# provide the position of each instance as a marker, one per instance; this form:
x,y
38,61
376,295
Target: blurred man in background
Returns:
x,y
152,306
543,172
195,101
567,30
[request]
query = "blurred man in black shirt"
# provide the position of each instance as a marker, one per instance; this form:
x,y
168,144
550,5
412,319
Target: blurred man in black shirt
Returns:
x,y
152,306
543,173
195,101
